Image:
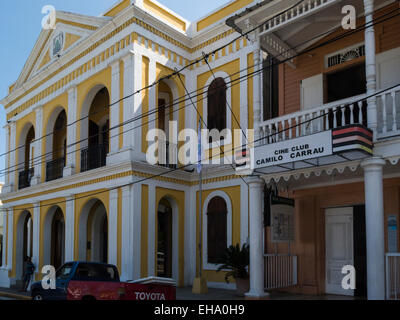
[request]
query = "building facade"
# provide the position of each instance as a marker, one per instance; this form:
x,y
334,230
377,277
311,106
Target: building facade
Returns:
x,y
78,186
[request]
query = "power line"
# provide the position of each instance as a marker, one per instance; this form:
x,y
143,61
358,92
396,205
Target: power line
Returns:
x,y
178,71
191,164
232,81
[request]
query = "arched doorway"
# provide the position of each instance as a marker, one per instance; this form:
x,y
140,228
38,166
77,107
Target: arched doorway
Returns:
x,y
166,112
56,144
23,243
95,129
167,239
54,237
26,156
93,232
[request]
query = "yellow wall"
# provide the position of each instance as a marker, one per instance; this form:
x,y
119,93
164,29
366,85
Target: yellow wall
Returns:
x,y
221,14
114,11
164,14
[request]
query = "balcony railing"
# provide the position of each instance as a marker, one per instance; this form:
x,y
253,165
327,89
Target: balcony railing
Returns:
x,y
54,169
388,107
24,178
167,154
392,276
93,157
307,122
280,271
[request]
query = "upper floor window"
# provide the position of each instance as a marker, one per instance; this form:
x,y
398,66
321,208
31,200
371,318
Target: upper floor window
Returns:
x,y
216,105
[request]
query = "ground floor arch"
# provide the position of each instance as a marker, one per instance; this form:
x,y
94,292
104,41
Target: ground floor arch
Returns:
x,y
93,232
54,237
23,242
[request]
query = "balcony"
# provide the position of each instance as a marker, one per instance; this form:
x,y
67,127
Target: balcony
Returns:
x,y
168,154
93,157
24,178
54,169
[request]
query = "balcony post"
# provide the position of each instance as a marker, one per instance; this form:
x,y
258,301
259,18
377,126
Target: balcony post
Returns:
x,y
11,169
257,92
256,186
69,169
114,108
7,160
36,179
375,230
370,66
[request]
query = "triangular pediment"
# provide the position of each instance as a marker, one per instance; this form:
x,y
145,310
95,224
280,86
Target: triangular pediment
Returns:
x,y
70,30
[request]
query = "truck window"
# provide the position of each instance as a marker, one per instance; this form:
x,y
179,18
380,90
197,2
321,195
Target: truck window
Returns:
x,y
96,272
65,271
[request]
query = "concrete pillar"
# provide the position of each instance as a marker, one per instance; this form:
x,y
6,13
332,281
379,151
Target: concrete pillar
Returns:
x,y
36,179
12,169
257,93
113,228
128,107
114,108
69,228
7,160
10,237
69,170
36,235
370,66
375,233
137,103
136,196
256,186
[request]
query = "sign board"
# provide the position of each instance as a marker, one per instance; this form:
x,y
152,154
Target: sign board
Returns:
x,y
282,219
303,148
392,233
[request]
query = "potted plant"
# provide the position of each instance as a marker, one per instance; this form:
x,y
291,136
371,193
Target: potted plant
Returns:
x,y
236,260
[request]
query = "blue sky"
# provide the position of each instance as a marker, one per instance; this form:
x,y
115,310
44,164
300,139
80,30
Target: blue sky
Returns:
x,y
21,24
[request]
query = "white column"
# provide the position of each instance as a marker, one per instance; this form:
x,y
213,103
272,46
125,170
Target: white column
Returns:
x,y
38,146
153,101
138,98
4,244
136,196
12,168
69,170
114,108
129,89
127,234
7,160
375,232
257,87
70,228
256,238
36,235
113,228
10,237
370,66
151,231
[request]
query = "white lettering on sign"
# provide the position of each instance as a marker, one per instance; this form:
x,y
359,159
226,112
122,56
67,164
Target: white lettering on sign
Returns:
x,y
299,149
149,296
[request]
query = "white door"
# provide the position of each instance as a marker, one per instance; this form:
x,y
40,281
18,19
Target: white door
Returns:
x,y
339,248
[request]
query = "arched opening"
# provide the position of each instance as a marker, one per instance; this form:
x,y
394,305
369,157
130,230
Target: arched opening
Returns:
x,y
216,105
167,238
167,150
23,242
54,237
216,229
26,156
93,232
95,129
56,145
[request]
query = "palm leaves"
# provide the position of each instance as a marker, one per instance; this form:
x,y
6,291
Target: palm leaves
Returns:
x,y
236,260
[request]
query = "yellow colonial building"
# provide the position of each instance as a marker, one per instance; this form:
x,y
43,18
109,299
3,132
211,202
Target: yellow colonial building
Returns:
x,y
79,186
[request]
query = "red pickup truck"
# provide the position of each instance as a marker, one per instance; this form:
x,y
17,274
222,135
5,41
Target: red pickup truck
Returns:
x,y
98,281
